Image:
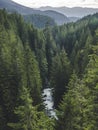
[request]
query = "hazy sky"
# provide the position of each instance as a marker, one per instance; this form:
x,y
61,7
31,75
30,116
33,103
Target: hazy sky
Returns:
x,y
57,3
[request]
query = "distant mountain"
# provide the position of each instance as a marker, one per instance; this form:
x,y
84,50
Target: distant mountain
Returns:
x,y
58,17
39,21
73,19
12,6
71,12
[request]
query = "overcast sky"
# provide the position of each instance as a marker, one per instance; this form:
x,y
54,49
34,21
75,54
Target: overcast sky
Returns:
x,y
57,3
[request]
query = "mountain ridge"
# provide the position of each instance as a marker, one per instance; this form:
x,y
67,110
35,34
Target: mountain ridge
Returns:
x,y
14,7
71,12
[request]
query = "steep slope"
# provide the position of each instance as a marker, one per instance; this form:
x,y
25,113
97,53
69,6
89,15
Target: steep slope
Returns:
x,y
12,6
59,18
39,21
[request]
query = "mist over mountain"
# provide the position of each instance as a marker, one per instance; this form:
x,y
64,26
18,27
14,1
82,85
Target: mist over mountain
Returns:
x,y
60,15
71,12
11,6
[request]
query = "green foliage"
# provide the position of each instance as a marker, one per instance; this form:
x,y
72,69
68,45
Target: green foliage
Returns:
x,y
33,75
28,116
60,73
39,21
50,48
18,67
75,109
78,110
31,58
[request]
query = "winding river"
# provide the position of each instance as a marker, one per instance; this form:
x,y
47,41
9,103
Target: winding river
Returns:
x,y
48,102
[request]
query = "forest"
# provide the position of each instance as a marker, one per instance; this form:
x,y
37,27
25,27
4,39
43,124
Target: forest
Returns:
x,y
64,56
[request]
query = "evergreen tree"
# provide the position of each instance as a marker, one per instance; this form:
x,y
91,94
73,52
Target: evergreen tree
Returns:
x,y
60,73
28,118
74,110
50,48
33,75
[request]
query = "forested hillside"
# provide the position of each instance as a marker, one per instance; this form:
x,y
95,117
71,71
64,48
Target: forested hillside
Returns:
x,y
39,21
66,57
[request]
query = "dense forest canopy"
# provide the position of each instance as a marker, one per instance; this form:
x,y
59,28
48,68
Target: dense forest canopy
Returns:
x,y
65,56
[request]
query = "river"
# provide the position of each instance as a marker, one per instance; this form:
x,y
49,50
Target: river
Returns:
x,y
48,102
